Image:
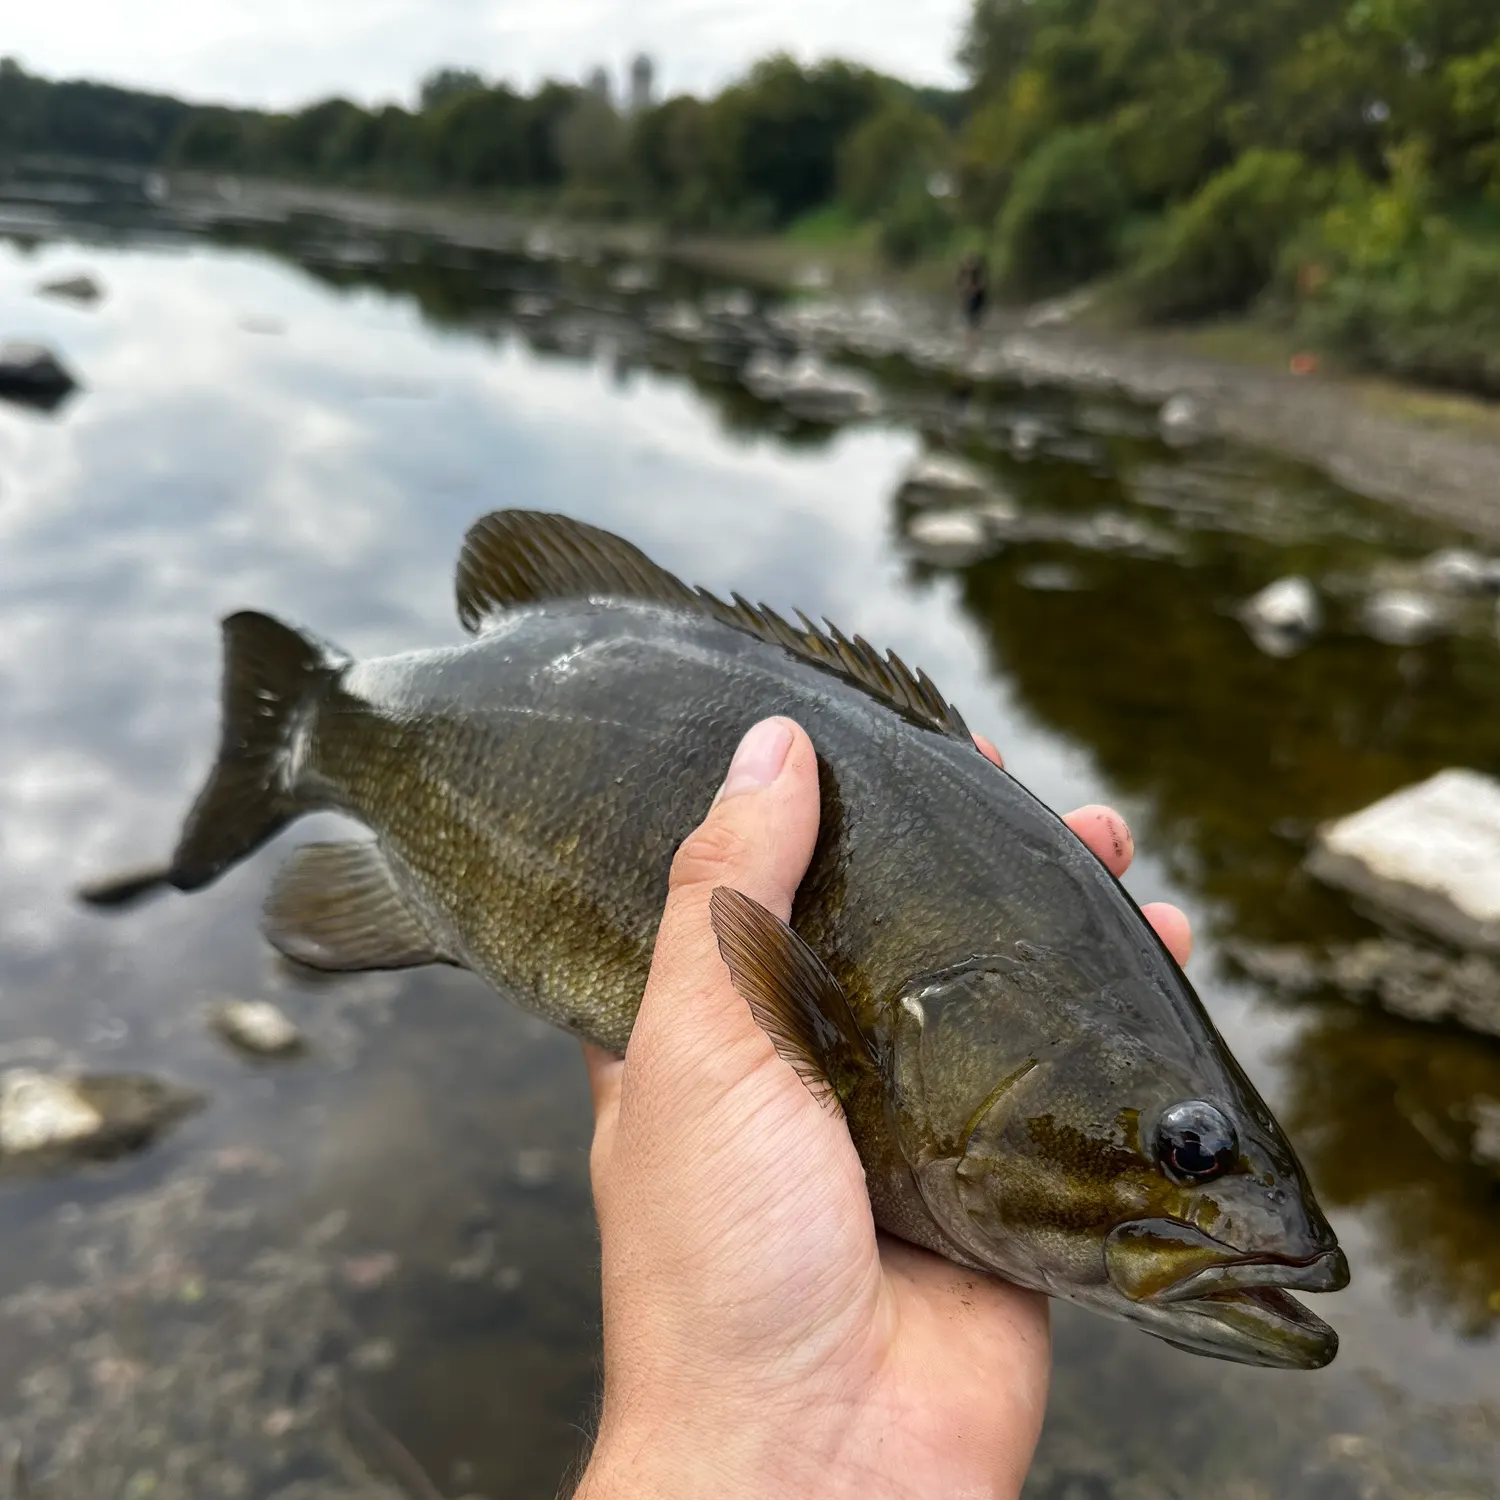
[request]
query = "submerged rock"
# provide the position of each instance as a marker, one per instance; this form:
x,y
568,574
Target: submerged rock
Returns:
x,y
1430,854
33,375
1413,982
257,1027
51,1119
1283,616
944,479
1403,617
83,290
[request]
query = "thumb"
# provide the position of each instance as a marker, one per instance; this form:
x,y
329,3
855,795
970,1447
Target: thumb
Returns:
x,y
694,1036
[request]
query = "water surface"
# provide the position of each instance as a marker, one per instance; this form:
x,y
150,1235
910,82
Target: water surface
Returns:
x,y
305,423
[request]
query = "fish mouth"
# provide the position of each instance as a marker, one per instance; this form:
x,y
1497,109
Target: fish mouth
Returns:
x,y
1201,1294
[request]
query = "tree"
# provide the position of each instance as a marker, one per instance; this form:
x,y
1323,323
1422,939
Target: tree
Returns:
x,y
444,84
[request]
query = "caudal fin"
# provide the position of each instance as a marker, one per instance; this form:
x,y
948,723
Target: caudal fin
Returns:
x,y
271,675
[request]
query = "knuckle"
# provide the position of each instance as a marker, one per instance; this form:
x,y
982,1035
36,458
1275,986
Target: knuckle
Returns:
x,y
709,855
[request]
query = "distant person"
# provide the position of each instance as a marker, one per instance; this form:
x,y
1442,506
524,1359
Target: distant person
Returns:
x,y
973,290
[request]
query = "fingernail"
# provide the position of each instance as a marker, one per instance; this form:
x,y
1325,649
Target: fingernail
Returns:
x,y
759,759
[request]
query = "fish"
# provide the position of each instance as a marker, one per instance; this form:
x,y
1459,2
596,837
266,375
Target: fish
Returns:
x,y
1034,1087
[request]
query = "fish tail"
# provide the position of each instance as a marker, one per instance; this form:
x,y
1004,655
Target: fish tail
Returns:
x,y
273,676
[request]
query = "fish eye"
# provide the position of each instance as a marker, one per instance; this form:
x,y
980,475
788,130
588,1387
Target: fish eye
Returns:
x,y
1194,1142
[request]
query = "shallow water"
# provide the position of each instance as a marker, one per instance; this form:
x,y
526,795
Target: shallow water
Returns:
x,y
288,423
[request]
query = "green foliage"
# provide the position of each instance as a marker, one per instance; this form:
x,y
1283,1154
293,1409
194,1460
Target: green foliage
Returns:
x,y
915,225
1062,221
1386,279
443,84
890,156
1218,252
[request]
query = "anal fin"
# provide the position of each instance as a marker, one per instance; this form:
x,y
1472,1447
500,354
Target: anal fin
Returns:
x,y
337,906
797,1002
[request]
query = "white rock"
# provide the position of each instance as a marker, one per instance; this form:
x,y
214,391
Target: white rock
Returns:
x,y
38,1110
529,305
1283,616
943,478
1430,853
1181,419
764,375
823,393
1400,617
735,303
256,1026
680,321
631,279
813,278
949,536
1461,571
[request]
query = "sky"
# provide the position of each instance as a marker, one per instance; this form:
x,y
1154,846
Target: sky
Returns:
x,y
281,53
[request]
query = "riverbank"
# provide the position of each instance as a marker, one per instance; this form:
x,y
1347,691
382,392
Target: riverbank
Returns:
x,y
1433,453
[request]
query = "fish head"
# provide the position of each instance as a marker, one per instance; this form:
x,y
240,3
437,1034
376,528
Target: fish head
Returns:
x,y
1110,1151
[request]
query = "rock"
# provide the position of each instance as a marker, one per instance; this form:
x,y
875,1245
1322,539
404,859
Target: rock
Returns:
x,y
48,1119
1181,420
1283,616
256,1026
1026,436
1429,853
1485,1147
949,537
1415,983
34,375
530,307
943,479
736,305
1058,311
632,279
812,278
1402,617
811,389
1050,578
680,321
83,290
764,375
1459,571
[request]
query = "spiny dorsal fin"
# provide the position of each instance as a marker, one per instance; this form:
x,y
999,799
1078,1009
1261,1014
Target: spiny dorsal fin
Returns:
x,y
797,1002
515,557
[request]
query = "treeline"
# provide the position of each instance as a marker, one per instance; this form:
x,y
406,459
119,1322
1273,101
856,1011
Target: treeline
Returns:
x,y
1335,163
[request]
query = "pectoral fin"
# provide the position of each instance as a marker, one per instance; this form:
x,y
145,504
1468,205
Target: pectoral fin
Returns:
x,y
798,1003
337,906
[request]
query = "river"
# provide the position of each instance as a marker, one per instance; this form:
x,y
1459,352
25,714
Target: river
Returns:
x,y
381,1257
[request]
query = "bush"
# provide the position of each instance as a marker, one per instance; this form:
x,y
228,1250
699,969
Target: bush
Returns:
x,y
917,224
1219,251
1384,279
1061,223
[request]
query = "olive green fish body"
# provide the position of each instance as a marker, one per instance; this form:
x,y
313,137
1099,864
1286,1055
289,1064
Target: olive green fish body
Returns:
x,y
1024,1068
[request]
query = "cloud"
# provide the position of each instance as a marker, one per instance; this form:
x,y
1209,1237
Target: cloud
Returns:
x,y
286,52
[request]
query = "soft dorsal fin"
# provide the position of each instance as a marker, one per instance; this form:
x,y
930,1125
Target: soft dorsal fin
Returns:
x,y
516,557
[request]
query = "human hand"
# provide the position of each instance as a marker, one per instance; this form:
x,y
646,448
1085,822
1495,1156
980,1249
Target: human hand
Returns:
x,y
760,1338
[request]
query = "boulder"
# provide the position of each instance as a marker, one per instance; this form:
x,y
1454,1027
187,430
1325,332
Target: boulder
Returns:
x,y
53,1119
944,479
810,388
1429,854
1403,617
1459,571
1283,616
